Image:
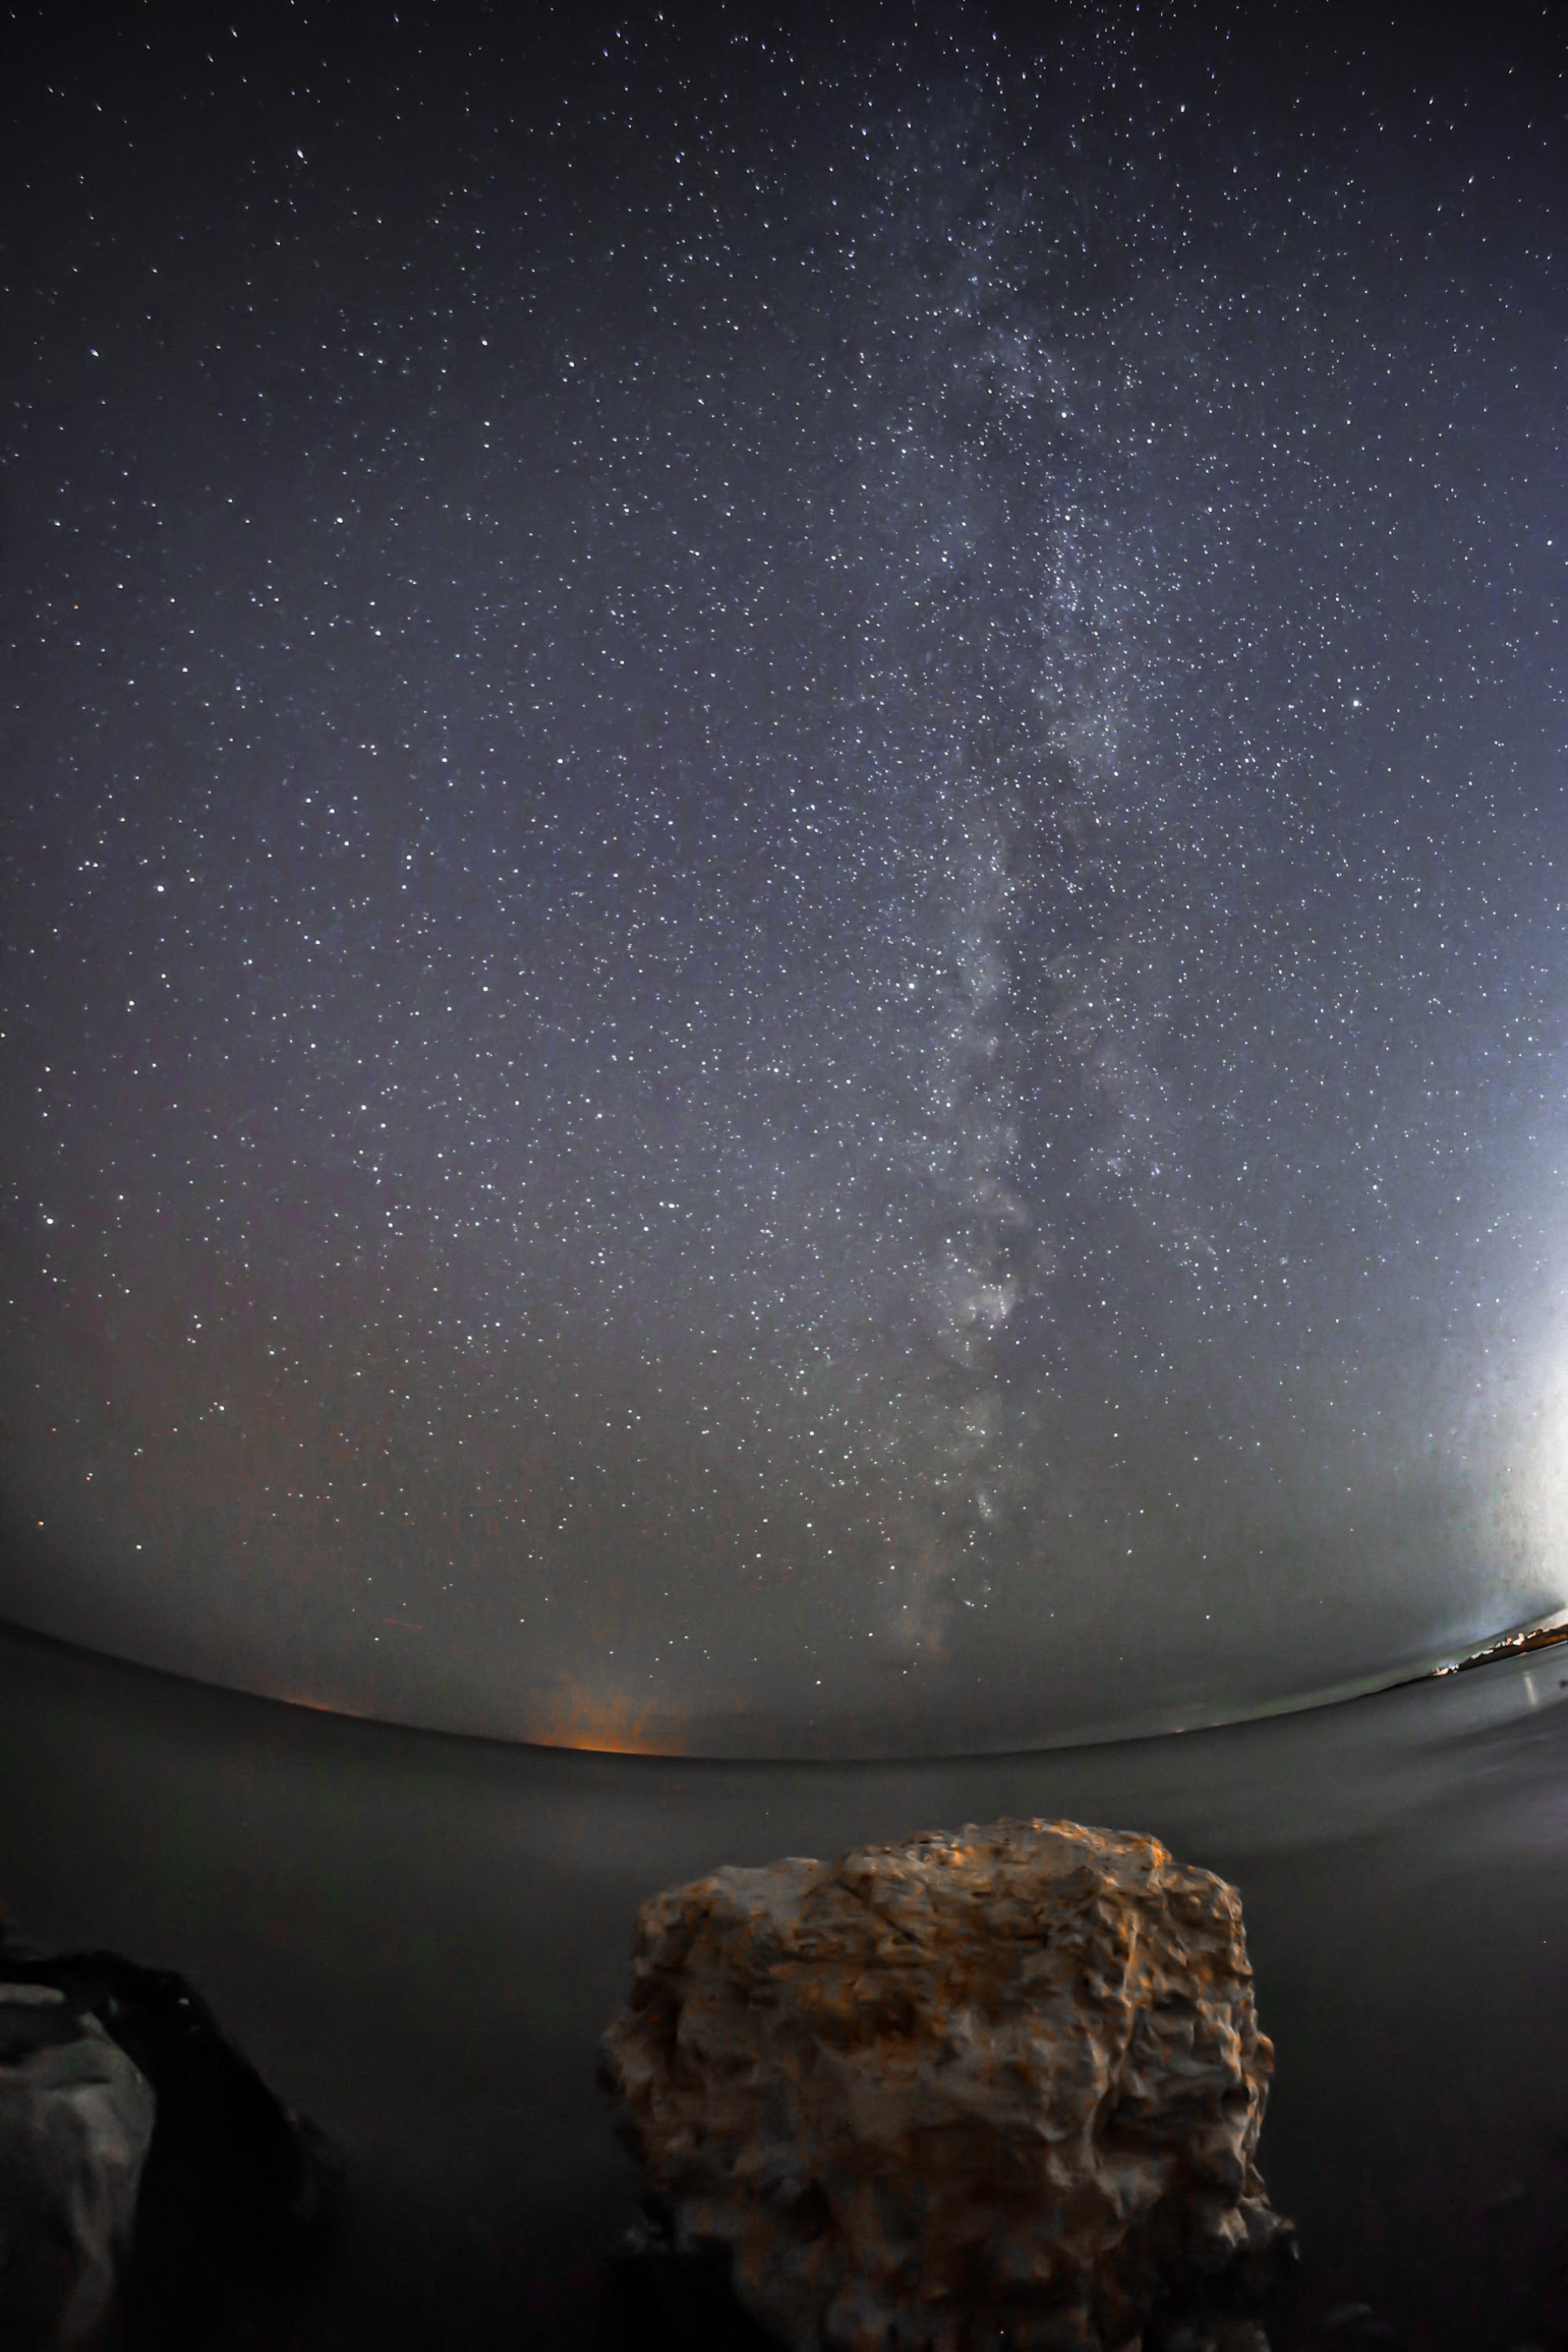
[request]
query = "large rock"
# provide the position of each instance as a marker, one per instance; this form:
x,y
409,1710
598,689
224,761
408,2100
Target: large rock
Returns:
x,y
997,2086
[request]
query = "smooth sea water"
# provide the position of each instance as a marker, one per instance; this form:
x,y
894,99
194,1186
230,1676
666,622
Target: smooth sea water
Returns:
x,y
418,1938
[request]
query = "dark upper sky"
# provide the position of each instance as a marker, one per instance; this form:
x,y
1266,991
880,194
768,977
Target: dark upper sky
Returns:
x,y
783,874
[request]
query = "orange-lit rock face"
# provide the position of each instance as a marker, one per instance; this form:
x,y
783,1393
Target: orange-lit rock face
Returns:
x,y
1009,2075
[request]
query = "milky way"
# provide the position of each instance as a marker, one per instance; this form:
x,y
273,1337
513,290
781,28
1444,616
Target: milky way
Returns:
x,y
786,952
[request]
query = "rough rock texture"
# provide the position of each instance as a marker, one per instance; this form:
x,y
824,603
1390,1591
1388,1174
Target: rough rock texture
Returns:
x,y
997,2086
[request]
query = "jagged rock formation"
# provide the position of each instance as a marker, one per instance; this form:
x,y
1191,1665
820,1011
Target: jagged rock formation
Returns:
x,y
1002,2086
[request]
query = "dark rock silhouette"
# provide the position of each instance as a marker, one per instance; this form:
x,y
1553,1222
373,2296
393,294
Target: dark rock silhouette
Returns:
x,y
202,2189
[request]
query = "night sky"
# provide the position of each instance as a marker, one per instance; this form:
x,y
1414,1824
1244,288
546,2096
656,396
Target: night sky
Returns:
x,y
785,858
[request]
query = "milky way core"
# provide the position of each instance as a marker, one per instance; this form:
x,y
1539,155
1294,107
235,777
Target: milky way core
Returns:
x,y
785,962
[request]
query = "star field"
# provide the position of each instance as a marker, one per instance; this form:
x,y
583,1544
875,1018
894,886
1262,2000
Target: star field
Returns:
x,y
784,907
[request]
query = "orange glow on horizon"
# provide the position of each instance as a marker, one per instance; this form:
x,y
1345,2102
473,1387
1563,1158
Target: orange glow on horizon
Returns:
x,y
611,1724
